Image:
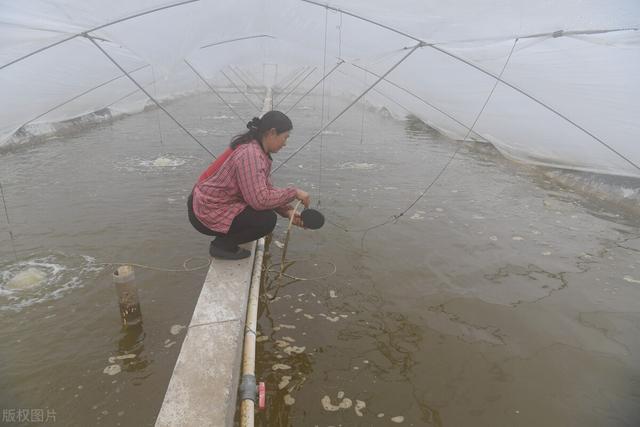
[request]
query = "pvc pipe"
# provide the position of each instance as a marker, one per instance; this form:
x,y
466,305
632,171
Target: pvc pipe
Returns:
x,y
124,280
247,405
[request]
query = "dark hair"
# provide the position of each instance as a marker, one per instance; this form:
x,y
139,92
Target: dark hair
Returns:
x,y
259,126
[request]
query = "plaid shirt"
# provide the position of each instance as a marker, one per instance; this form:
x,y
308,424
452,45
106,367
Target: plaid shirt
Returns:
x,y
242,180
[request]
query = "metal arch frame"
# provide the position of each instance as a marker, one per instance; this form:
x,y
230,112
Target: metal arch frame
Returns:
x,y
340,62
134,81
99,27
295,87
237,39
489,73
411,51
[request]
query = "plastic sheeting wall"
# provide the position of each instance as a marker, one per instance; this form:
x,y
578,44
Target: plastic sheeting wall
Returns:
x,y
589,74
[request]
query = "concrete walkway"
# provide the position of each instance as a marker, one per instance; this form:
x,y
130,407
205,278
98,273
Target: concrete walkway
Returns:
x,y
204,385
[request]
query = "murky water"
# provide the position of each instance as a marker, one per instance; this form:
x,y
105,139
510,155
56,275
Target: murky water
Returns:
x,y
501,298
114,193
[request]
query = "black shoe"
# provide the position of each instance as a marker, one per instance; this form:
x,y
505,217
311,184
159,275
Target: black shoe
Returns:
x,y
221,253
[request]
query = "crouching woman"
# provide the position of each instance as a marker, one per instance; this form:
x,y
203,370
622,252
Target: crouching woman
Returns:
x,y
234,199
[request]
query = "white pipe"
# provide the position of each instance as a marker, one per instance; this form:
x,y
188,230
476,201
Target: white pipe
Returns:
x,y
247,406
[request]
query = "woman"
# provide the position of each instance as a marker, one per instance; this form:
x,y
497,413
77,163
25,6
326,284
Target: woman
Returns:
x,y
234,199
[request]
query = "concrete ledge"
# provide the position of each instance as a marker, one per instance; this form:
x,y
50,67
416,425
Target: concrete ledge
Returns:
x,y
204,385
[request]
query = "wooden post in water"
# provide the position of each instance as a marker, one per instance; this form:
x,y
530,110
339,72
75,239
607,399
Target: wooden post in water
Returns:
x,y
125,281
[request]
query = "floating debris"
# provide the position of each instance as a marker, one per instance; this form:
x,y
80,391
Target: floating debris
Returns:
x,y
281,326
280,366
293,349
112,370
289,400
176,329
327,405
113,359
287,326
360,405
329,318
284,381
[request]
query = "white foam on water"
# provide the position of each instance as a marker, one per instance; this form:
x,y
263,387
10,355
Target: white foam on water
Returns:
x,y
358,166
161,163
289,400
26,279
360,405
41,279
398,419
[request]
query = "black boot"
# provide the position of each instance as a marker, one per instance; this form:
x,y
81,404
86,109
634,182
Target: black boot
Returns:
x,y
221,249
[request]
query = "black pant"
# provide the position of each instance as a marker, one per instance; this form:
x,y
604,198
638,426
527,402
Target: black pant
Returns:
x,y
247,226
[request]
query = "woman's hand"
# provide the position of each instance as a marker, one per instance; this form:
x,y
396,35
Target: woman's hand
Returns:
x,y
297,219
303,196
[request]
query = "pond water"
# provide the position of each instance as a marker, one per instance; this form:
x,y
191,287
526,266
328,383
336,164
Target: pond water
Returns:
x,y
503,297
